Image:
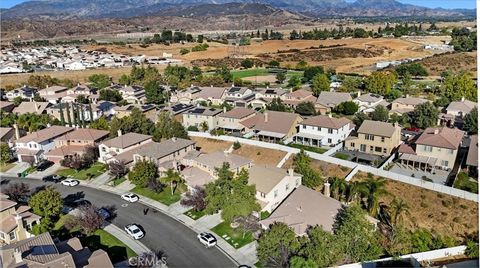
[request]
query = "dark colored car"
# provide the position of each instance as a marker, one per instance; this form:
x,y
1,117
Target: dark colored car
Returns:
x,y
53,178
44,165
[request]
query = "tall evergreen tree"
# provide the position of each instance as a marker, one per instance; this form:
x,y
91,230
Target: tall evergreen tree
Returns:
x,y
62,117
90,111
69,118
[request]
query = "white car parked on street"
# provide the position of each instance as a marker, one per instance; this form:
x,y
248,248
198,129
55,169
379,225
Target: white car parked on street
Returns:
x,y
207,239
70,182
134,231
129,197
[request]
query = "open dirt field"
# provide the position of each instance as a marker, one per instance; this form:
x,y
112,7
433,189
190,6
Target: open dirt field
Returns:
x,y
211,145
434,211
260,156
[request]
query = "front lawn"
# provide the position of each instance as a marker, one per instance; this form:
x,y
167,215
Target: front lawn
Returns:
x,y
195,215
5,167
318,150
164,196
234,237
30,170
93,171
341,156
118,181
100,239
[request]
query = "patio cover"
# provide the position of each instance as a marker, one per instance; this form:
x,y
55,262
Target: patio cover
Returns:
x,y
271,134
309,136
419,158
231,126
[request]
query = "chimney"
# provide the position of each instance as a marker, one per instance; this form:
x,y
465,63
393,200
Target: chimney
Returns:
x,y
48,125
290,172
359,93
17,131
330,115
463,99
174,139
266,116
17,255
326,189
119,132
224,109
436,131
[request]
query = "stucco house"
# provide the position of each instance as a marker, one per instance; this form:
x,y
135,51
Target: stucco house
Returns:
x,y
273,126
197,116
292,99
374,137
323,130
326,101
108,149
230,120
16,221
460,108
406,105
367,102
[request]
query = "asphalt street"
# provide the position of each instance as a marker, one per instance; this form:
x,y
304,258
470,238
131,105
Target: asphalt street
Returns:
x,y
162,233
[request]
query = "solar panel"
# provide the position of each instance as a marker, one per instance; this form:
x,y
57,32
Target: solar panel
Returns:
x,y
44,249
270,91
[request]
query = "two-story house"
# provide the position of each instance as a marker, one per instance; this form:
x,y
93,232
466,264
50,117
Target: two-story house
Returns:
x,y
133,94
16,221
292,99
31,107
200,116
367,102
323,130
185,96
149,110
24,92
273,185
406,105
211,95
460,108
230,120
239,96
108,149
376,138
433,148
75,143
32,147
273,126
53,94
74,92
327,100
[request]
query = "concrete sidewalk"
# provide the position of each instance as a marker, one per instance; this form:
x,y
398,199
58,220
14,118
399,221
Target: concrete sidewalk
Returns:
x,y
101,179
121,235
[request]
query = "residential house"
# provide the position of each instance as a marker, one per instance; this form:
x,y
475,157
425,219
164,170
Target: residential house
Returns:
x,y
186,96
273,126
460,108
108,149
9,135
24,92
178,108
200,115
230,120
16,221
434,148
211,95
367,102
53,94
472,156
323,130
375,138
133,94
7,106
42,251
32,147
239,96
264,96
326,101
74,92
292,99
32,107
273,185
75,143
149,110
406,105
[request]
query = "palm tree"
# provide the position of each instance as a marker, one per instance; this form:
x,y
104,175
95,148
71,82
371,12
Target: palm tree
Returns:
x,y
375,189
355,190
339,188
398,208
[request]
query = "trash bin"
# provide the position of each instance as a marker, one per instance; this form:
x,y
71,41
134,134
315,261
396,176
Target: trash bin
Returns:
x,y
19,175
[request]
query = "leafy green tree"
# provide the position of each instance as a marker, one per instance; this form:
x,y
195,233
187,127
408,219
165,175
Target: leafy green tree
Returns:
x,y
380,113
136,122
101,124
247,63
414,69
302,65
82,99
17,101
273,63
351,84
231,194
471,121
47,203
280,76
224,72
110,95
393,94
357,237
301,164
46,225
425,115
380,82
125,80
375,189
142,172
398,242
99,81
277,105
306,108
321,248
320,82
346,108
461,85
5,153
154,92
277,245
310,72
167,127
184,51
294,82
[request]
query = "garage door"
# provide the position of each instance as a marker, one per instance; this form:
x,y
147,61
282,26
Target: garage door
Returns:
x,y
27,158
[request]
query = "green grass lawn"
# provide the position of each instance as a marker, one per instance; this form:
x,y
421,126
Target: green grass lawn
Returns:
x,y
5,167
318,150
30,170
95,170
463,182
100,239
264,215
192,213
236,237
249,72
118,181
164,196
341,156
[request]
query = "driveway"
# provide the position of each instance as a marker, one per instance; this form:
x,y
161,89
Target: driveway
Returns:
x,y
162,233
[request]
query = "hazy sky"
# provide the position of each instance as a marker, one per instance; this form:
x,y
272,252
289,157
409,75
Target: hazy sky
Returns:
x,y
427,3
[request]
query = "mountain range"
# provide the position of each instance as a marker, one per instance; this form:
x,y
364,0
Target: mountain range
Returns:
x,y
99,9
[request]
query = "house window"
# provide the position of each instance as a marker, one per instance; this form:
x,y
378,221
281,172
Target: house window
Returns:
x,y
371,148
363,147
287,186
262,194
384,150
304,126
427,148
2,236
369,137
297,182
444,163
12,236
352,144
329,140
319,128
275,193
330,131
378,149
451,151
383,139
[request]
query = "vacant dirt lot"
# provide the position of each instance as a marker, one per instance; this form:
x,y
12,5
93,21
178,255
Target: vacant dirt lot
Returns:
x,y
211,145
260,156
465,61
434,211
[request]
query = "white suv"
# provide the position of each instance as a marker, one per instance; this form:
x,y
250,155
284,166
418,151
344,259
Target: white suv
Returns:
x,y
207,239
134,231
129,197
